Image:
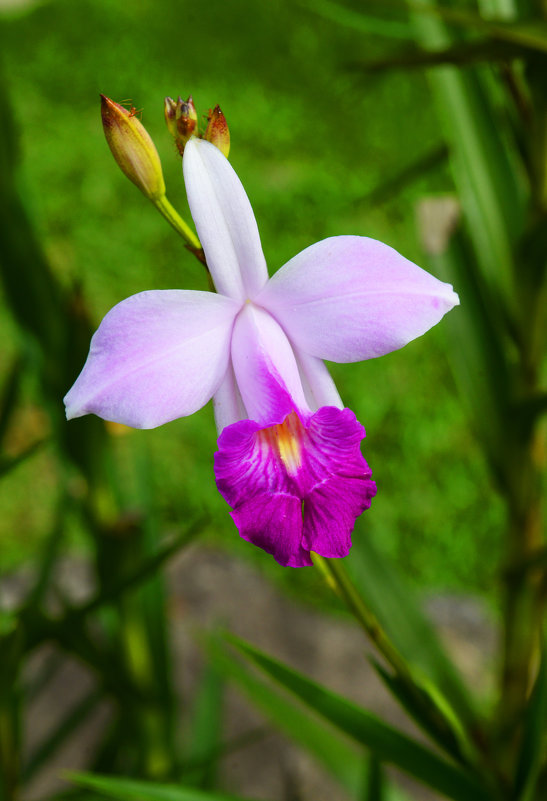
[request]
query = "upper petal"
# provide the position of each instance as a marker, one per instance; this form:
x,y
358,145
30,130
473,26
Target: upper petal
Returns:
x,y
156,356
224,221
349,298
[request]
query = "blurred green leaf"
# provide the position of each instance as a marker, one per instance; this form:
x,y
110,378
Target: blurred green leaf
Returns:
x,y
130,790
477,353
487,167
531,34
391,185
340,758
375,789
359,20
9,463
460,54
204,747
63,730
534,739
140,573
442,734
10,393
388,744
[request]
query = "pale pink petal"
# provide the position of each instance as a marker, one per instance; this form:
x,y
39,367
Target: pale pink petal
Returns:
x,y
156,356
224,221
350,298
265,368
227,402
319,387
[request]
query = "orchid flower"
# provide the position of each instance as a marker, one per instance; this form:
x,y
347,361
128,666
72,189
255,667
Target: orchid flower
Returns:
x,y
289,461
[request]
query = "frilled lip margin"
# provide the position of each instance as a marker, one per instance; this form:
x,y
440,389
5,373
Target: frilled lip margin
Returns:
x,y
296,486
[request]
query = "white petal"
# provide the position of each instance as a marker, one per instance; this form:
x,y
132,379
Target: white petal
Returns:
x,y
224,221
350,298
156,356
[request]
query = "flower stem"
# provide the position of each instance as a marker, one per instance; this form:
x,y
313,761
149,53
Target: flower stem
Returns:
x,y
175,220
337,578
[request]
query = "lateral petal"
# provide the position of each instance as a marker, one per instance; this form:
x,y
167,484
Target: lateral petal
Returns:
x,y
350,298
156,356
224,221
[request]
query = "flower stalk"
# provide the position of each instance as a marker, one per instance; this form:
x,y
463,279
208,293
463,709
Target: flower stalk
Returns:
x,y
137,157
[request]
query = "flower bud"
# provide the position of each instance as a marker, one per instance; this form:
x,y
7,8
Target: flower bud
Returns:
x,y
171,115
181,118
132,148
217,131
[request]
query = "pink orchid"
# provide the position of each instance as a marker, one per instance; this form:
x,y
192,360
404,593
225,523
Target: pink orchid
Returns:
x,y
288,460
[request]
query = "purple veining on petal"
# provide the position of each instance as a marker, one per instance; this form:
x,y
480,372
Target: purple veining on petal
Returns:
x,y
297,486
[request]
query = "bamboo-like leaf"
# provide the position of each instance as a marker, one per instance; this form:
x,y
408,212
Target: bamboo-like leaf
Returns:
x,y
387,743
477,354
443,736
486,165
64,729
460,54
531,34
375,789
9,463
534,738
393,602
339,757
132,790
10,393
391,185
204,748
364,22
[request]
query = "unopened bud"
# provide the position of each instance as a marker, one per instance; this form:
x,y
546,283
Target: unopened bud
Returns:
x,y
217,131
132,148
181,118
171,115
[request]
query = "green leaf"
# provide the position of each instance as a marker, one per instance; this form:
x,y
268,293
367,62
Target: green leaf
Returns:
x,y
9,463
204,748
386,743
487,167
534,739
441,734
391,185
477,353
131,790
64,729
462,53
10,395
341,759
396,607
365,22
375,790
531,34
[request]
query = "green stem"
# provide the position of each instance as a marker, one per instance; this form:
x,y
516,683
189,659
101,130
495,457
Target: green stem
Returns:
x,y
337,578
175,220
524,601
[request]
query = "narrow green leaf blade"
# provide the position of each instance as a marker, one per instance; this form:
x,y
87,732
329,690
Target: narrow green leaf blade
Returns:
x,y
388,744
340,758
534,737
204,747
132,790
